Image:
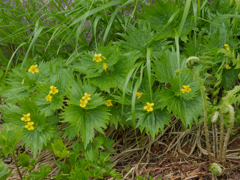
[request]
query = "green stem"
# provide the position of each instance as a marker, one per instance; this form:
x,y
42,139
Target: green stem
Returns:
x,y
15,161
143,134
67,161
231,111
215,146
204,114
221,132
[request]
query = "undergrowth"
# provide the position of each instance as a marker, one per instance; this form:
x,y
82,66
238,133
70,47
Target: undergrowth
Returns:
x,y
72,70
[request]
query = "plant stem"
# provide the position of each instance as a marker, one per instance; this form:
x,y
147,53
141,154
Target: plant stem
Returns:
x,y
204,114
143,134
15,161
231,111
215,138
67,161
221,132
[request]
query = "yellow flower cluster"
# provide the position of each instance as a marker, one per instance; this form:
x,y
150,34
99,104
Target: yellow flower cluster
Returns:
x,y
26,118
33,69
149,107
228,67
109,103
53,90
139,95
186,89
97,58
84,100
226,46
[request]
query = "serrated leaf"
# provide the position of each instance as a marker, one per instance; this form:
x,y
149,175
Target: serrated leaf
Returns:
x,y
44,170
9,137
229,77
37,138
5,172
77,90
152,121
160,14
115,77
59,149
24,160
140,38
85,121
186,110
58,78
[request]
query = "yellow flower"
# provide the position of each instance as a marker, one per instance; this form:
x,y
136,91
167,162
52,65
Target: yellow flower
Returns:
x,y
228,67
226,46
183,91
29,126
105,66
33,69
97,58
49,98
139,94
53,90
104,57
187,88
148,107
86,97
177,71
26,117
109,103
22,81
83,103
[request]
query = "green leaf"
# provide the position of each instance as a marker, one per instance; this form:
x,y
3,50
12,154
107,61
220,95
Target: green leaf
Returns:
x,y
229,77
37,138
186,110
9,137
153,121
59,149
115,76
5,172
58,77
77,90
165,67
140,38
160,16
85,121
107,144
44,170
24,160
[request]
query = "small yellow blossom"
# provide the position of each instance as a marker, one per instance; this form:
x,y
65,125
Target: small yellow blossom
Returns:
x,y
29,126
177,71
86,97
183,91
109,103
148,107
105,66
22,81
139,94
97,58
33,69
49,98
187,88
26,117
53,90
104,57
228,67
83,103
226,46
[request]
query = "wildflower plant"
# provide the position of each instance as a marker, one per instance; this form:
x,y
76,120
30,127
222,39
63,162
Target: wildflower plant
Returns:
x,y
128,74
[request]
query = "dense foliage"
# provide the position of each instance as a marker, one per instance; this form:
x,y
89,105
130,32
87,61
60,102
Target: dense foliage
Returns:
x,y
73,70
